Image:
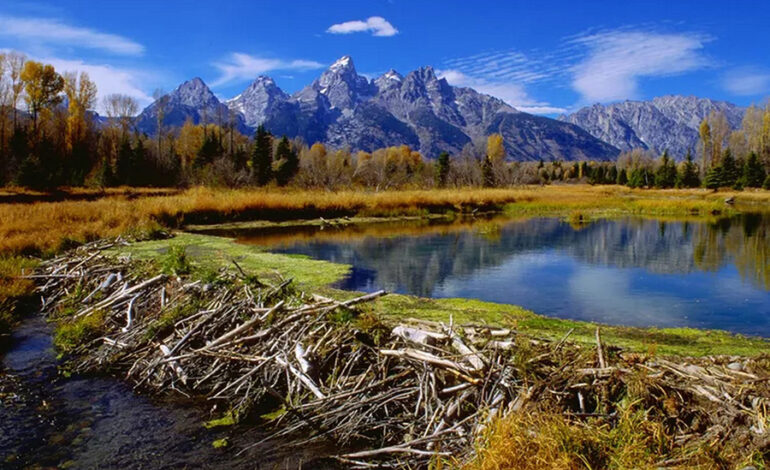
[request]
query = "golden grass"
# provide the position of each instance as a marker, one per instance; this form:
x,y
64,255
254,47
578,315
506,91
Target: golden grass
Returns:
x,y
48,226
539,439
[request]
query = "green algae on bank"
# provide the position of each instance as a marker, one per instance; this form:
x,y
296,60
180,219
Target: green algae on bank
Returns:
x,y
212,253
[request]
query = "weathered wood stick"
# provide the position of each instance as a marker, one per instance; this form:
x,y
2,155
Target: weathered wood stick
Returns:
x,y
244,327
602,364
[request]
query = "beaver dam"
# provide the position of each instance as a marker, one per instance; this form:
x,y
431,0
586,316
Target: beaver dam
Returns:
x,y
307,369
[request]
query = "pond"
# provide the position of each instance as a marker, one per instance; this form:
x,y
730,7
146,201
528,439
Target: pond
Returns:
x,y
631,271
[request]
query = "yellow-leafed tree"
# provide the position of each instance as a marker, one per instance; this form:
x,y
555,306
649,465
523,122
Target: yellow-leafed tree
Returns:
x,y
81,96
42,86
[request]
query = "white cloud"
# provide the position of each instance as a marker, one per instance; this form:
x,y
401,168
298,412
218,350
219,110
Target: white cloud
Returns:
x,y
54,33
108,79
616,61
747,82
240,66
377,25
512,93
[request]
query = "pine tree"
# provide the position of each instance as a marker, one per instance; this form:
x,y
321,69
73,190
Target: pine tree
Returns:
x,y
730,171
612,175
596,175
714,178
442,169
289,162
262,157
208,151
639,178
622,178
106,177
487,172
124,163
687,177
142,172
665,175
753,172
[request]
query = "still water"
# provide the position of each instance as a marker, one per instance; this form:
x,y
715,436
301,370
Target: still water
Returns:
x,y
631,271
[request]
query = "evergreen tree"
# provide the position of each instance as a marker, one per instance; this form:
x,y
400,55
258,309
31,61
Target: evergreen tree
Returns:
x,y
41,168
442,169
714,178
142,172
124,163
622,177
78,164
730,171
487,172
596,175
106,177
687,177
639,178
262,157
753,172
289,162
209,150
665,175
18,151
766,184
612,175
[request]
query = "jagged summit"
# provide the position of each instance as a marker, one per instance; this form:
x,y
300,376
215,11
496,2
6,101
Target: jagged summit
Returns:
x,y
343,63
258,100
192,100
193,92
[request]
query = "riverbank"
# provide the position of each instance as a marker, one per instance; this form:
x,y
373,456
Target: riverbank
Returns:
x,y
384,389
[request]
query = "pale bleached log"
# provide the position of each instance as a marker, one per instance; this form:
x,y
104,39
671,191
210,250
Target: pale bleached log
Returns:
x,y
418,336
174,365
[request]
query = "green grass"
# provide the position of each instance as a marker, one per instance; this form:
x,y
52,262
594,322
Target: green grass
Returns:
x,y
72,334
207,252
666,341
211,253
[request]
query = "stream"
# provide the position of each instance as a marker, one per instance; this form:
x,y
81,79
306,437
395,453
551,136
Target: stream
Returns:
x,y
49,421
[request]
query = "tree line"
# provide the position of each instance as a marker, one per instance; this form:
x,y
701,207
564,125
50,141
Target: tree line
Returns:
x,y
60,141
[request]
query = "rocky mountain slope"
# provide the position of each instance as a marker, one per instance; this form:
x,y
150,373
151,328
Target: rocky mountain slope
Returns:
x,y
191,100
344,109
663,123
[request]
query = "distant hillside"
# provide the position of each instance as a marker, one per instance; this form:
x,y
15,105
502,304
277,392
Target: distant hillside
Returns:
x,y
664,123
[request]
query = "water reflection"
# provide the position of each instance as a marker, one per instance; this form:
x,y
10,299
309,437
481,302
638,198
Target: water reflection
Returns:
x,y
629,271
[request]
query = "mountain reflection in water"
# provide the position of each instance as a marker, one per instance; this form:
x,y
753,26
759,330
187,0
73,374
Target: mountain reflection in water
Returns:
x,y
630,271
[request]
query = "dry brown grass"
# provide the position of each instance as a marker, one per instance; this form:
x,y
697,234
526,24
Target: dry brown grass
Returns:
x,y
48,226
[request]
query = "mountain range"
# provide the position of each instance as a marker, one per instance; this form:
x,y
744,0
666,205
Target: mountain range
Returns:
x,y
663,123
342,108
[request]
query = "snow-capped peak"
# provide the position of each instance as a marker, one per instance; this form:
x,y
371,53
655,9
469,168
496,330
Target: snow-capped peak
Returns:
x,y
342,63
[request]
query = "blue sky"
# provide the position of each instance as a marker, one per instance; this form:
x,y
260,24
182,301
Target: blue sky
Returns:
x,y
543,57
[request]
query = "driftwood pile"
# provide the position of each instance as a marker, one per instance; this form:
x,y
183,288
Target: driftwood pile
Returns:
x,y
383,395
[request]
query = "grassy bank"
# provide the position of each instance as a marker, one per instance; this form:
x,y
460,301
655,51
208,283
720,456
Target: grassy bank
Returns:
x,y
214,252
